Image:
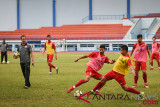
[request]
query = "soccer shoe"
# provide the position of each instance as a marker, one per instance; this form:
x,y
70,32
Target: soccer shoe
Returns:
x,y
70,89
146,85
134,86
91,92
57,70
97,93
50,73
158,68
151,69
26,87
7,62
3,62
141,95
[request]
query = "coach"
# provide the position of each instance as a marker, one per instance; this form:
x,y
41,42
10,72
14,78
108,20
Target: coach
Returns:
x,y
25,51
4,48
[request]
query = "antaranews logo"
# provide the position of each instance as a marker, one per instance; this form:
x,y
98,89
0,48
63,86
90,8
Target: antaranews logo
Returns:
x,y
151,99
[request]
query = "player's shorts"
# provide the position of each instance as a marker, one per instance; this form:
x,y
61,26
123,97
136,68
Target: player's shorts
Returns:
x,y
140,66
93,73
49,57
155,56
117,76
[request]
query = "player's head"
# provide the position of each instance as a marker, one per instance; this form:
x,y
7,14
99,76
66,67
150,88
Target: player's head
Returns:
x,y
102,49
23,39
48,37
4,41
139,38
124,49
154,39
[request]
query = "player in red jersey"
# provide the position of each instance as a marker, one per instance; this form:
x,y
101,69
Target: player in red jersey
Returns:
x,y
50,46
155,48
95,64
140,50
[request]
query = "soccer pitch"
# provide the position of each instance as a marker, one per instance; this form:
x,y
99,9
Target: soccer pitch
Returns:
x,y
51,90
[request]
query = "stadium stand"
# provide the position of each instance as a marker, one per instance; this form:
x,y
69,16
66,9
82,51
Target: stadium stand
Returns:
x,y
157,35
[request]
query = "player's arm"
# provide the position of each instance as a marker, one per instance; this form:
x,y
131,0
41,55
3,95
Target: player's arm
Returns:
x,y
131,52
7,47
131,66
32,56
55,54
44,49
112,61
85,56
149,54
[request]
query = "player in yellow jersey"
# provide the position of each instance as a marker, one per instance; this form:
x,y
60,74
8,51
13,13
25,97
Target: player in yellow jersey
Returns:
x,y
50,46
120,69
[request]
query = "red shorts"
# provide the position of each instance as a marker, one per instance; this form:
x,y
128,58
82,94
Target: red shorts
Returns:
x,y
93,73
139,65
117,76
155,56
49,57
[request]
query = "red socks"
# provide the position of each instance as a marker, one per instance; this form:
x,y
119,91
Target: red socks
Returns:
x,y
158,63
132,90
51,66
101,86
145,77
80,82
152,63
98,86
135,79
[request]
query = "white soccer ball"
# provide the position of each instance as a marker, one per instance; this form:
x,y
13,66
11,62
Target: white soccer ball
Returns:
x,y
17,54
77,93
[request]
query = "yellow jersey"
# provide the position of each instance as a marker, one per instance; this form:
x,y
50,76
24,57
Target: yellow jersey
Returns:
x,y
122,64
49,47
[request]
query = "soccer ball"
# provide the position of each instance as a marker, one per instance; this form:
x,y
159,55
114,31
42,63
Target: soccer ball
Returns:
x,y
17,54
77,93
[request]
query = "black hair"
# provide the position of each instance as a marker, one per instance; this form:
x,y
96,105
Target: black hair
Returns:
x,y
48,35
154,37
102,46
124,47
23,36
139,36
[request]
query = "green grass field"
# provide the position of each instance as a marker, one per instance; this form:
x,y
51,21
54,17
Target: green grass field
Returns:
x,y
51,90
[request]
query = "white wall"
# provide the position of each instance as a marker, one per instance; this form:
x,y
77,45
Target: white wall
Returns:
x,y
109,7
145,6
71,11
8,15
35,13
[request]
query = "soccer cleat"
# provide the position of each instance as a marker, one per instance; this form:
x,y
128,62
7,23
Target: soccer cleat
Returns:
x,y
151,69
70,89
57,70
50,73
91,92
134,86
158,68
97,93
26,87
146,85
141,95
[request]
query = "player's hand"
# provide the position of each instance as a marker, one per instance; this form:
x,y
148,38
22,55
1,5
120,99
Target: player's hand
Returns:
x,y
133,72
113,60
135,60
150,61
76,60
32,63
56,57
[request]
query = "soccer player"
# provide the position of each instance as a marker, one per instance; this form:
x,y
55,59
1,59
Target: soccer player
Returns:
x,y
120,69
49,46
140,50
4,48
155,48
95,64
25,51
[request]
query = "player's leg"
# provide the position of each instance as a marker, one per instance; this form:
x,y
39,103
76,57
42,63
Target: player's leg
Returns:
x,y
23,69
98,76
152,57
137,68
87,78
157,59
144,68
1,57
27,74
5,57
129,89
107,77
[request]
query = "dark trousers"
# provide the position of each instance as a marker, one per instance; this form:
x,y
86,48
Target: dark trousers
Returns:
x,y
2,55
26,72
